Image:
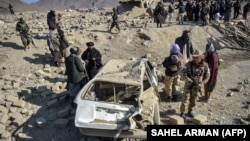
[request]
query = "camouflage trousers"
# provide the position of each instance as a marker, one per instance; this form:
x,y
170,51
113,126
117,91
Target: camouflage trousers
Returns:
x,y
189,98
26,39
170,83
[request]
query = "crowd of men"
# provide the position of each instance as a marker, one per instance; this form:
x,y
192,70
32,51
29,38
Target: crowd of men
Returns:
x,y
80,68
198,69
201,10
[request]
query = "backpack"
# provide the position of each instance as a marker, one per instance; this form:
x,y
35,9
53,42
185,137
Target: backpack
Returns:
x,y
175,63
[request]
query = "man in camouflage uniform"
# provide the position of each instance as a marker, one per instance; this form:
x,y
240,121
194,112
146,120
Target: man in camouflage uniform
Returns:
x,y
196,74
205,13
23,30
115,21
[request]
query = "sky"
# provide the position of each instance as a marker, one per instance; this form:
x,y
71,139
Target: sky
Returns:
x,y
29,1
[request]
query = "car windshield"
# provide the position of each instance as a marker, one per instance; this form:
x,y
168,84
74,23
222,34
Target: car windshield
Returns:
x,y
112,93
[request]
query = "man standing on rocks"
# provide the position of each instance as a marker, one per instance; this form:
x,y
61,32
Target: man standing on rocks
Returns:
x,y
246,10
54,47
75,72
185,45
93,60
212,59
173,65
64,44
196,75
51,20
11,9
23,30
158,13
115,20
171,12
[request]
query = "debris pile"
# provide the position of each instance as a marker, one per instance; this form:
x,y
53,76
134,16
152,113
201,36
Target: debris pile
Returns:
x,y
235,34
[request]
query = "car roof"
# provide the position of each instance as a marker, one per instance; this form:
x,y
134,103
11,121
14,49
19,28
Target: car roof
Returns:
x,y
122,71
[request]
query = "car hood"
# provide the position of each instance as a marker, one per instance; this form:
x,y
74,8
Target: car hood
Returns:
x,y
101,115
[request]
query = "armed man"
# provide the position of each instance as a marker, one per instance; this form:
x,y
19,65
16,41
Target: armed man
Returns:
x,y
196,75
11,9
115,22
23,30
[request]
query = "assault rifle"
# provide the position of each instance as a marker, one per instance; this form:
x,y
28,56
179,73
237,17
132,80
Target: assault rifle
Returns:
x,y
32,41
195,86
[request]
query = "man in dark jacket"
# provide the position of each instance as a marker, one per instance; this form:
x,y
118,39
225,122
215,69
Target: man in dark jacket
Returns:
x,y
51,19
75,72
93,59
237,8
181,11
246,10
158,13
173,65
185,44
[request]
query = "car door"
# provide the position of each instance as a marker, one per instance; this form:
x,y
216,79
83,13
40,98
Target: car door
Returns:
x,y
151,71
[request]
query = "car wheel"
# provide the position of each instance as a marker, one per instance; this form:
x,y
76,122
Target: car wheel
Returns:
x,y
156,116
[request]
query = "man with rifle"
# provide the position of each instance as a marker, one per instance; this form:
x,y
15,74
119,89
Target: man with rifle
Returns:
x,y
23,29
196,74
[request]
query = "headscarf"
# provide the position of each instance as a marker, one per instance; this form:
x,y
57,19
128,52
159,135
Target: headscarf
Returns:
x,y
210,47
175,49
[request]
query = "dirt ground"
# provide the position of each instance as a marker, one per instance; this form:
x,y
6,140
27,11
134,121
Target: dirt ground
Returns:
x,y
133,42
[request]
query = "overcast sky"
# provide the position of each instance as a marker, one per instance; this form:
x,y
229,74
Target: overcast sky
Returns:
x,y
29,1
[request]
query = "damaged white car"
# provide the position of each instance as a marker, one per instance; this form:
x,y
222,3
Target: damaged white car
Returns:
x,y
120,101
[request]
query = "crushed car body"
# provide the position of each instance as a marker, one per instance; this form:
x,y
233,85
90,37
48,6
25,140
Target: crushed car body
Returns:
x,y
120,101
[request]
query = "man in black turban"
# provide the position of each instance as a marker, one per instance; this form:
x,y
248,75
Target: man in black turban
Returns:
x,y
93,59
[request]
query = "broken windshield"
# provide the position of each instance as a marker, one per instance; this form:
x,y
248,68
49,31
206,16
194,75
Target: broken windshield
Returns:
x,y
113,93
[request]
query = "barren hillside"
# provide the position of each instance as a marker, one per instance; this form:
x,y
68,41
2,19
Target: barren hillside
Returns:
x,y
18,6
74,4
32,101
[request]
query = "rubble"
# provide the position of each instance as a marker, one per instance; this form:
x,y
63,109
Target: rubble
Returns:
x,y
233,36
36,92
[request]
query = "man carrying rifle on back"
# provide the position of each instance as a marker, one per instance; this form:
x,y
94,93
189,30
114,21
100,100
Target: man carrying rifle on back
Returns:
x,y
196,75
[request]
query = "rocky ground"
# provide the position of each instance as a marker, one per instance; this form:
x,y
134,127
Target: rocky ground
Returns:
x,y
30,83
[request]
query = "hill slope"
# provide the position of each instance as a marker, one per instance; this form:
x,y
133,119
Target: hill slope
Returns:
x,y
74,4
18,6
